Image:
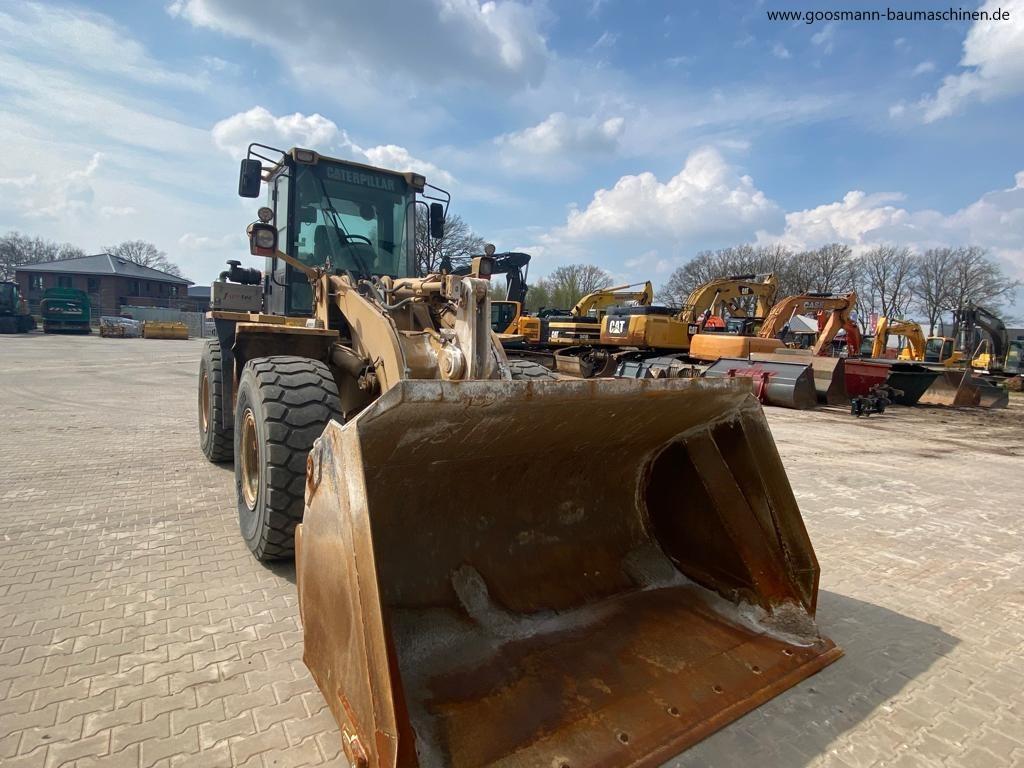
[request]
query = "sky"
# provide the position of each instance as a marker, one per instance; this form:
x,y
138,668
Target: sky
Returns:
x,y
629,134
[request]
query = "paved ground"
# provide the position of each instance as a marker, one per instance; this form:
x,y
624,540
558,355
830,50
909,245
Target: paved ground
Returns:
x,y
136,630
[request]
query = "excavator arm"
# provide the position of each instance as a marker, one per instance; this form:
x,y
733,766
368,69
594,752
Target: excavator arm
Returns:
x,y
974,315
839,306
729,291
609,297
908,329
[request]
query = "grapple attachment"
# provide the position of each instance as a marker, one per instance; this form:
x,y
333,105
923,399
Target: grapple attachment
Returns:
x,y
569,574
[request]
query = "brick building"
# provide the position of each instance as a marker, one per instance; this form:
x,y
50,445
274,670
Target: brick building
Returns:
x,y
110,282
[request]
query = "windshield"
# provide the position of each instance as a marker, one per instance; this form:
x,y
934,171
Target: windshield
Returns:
x,y
353,217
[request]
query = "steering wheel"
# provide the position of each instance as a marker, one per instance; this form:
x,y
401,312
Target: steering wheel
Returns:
x,y
358,237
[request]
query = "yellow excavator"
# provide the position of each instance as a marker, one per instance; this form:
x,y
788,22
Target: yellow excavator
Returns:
x,y
583,323
595,618
919,349
661,328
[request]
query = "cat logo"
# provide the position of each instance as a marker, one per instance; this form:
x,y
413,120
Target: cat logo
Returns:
x,y
692,329
617,327
746,290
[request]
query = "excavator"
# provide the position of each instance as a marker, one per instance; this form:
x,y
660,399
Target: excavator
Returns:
x,y
664,329
785,367
918,349
995,357
14,314
583,323
596,618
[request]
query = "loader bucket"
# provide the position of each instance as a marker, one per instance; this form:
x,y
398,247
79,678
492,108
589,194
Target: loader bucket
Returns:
x,y
786,384
558,573
912,380
829,373
960,387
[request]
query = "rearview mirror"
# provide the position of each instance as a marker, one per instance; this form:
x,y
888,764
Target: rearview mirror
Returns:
x,y
249,178
436,221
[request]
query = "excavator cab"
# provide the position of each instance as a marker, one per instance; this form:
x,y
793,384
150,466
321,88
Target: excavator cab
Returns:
x,y
505,316
938,349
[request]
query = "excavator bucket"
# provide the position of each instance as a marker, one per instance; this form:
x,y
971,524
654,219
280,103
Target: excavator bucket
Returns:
x,y
582,574
788,383
829,373
960,387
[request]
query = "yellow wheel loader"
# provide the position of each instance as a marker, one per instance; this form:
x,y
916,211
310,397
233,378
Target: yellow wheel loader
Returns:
x,y
598,617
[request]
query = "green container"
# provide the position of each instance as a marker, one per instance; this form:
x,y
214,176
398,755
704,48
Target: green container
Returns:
x,y
65,310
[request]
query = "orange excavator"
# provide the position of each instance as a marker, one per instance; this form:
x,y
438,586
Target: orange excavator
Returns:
x,y
833,311
788,368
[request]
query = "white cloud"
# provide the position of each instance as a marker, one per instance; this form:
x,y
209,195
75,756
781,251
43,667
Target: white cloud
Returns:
x,y
398,159
87,41
496,43
233,134
193,242
113,211
708,198
19,182
924,68
826,38
995,221
780,51
556,144
994,61
72,195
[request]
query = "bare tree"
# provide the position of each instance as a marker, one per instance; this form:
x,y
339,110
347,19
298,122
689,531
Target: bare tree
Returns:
x,y
18,250
975,278
793,275
145,255
828,269
568,284
932,284
888,273
459,244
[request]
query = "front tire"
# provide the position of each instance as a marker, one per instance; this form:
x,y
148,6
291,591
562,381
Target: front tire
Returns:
x,y
215,440
283,405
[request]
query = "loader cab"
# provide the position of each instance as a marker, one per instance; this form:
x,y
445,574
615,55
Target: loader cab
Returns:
x,y
336,214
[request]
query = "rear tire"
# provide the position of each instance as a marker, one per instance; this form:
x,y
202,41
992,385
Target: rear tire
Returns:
x,y
216,440
283,405
528,370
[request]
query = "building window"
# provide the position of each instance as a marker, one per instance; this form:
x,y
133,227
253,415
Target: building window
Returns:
x,y
63,281
35,282
136,289
174,291
94,285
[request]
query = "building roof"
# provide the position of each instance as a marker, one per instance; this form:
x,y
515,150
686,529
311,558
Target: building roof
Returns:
x,y
104,264
802,324
199,292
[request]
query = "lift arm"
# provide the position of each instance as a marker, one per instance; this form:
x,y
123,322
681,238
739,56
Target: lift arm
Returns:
x,y
908,329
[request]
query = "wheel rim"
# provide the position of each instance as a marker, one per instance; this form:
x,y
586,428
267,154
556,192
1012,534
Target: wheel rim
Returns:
x,y
204,402
250,460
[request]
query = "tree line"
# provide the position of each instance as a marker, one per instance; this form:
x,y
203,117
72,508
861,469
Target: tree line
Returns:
x,y
891,281
18,250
